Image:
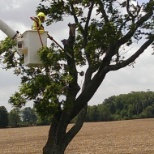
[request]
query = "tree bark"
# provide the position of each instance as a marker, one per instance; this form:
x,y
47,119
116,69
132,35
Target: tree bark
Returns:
x,y
54,150
54,143
59,138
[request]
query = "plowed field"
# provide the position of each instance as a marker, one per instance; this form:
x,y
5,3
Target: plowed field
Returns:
x,y
120,137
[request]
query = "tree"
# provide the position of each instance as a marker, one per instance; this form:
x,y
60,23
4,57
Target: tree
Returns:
x,y
43,120
14,117
3,117
29,116
92,114
104,113
104,30
128,106
148,112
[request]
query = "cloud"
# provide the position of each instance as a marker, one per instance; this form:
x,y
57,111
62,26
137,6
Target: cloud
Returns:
x,y
17,15
9,83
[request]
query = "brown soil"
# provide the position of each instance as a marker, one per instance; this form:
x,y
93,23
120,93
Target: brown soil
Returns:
x,y
120,137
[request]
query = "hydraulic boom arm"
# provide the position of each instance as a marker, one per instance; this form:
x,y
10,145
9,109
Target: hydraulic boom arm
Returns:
x,y
7,30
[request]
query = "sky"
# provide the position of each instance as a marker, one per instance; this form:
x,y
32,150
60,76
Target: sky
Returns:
x,y
16,14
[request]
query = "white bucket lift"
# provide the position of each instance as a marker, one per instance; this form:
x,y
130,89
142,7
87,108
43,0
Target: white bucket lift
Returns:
x,y
29,44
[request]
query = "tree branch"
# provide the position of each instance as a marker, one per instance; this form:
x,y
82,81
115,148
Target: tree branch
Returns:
x,y
77,126
75,17
68,48
128,11
133,57
85,34
103,11
92,87
88,76
135,26
88,17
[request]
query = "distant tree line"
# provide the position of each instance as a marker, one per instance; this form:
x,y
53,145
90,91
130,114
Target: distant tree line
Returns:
x,y
20,118
134,105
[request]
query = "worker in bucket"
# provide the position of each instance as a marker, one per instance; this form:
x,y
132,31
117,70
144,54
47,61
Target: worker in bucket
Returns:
x,y
37,24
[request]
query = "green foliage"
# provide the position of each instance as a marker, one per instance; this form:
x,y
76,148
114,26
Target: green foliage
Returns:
x,y
21,118
8,52
93,113
50,57
148,112
6,45
17,100
29,116
125,106
3,117
43,120
14,117
104,113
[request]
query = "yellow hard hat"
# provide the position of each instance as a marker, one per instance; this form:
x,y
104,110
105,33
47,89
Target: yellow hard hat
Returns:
x,y
41,14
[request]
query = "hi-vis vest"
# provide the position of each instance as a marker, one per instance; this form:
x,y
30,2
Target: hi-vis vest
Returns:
x,y
37,25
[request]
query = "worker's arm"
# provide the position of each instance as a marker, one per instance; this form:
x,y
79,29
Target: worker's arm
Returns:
x,y
35,25
35,19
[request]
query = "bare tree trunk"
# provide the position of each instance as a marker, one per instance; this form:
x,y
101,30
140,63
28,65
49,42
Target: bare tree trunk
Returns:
x,y
59,138
53,150
56,143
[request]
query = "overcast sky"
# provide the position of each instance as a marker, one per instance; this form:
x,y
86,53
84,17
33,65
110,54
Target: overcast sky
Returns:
x,y
16,14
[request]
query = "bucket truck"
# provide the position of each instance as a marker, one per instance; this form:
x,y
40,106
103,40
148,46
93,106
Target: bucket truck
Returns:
x,y
28,43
